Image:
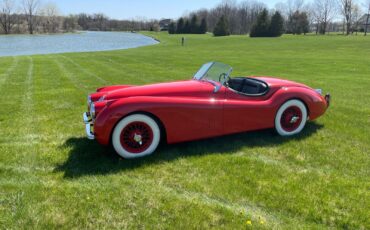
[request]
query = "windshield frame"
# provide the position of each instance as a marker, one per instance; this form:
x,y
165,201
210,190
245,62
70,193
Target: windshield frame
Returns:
x,y
205,69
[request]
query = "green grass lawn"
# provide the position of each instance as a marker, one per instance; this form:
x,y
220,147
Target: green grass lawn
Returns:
x,y
51,176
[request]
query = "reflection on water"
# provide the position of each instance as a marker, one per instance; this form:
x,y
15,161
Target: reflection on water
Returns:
x,y
14,45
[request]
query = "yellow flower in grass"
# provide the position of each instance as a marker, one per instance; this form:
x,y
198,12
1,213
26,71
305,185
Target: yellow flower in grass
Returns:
x,y
249,222
262,222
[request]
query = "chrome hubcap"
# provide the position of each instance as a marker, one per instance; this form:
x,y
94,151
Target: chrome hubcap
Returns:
x,y
294,119
138,139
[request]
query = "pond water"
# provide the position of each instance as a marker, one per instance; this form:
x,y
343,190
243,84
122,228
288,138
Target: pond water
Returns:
x,y
14,45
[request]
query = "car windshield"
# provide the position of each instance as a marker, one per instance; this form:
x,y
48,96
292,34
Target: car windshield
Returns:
x,y
213,71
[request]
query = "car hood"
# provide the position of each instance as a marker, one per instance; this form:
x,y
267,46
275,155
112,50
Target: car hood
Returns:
x,y
190,88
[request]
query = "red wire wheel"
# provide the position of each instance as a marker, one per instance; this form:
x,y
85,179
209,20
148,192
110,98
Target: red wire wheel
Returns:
x,y
291,118
136,137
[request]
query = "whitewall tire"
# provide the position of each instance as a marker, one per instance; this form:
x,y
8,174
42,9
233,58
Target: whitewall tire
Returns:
x,y
136,136
291,118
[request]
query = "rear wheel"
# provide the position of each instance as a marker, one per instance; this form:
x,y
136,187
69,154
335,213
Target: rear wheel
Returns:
x,y
136,136
291,118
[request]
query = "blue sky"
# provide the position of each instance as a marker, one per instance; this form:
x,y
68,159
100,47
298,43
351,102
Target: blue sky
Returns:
x,y
126,9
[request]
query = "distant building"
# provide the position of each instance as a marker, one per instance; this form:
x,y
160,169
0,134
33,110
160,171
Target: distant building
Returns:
x,y
164,24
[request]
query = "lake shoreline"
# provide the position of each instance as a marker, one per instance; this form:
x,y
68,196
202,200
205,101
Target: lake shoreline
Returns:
x,y
83,41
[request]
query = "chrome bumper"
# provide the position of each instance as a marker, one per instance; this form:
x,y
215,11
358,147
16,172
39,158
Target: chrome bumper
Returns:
x,y
89,126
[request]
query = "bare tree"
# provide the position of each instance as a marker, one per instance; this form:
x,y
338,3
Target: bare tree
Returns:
x,y
30,8
356,16
346,7
288,8
324,11
7,15
367,17
50,18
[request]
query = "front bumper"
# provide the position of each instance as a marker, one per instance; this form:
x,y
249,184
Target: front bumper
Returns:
x,y
89,126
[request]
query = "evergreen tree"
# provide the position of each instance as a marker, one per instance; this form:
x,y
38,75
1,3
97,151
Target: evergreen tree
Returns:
x,y
262,26
203,26
299,23
172,28
187,28
222,27
305,24
194,27
276,25
180,26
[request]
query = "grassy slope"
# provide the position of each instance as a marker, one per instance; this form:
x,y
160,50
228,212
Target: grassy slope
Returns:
x,y
51,176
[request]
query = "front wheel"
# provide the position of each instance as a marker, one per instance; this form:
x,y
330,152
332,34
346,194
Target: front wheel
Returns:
x,y
136,136
291,118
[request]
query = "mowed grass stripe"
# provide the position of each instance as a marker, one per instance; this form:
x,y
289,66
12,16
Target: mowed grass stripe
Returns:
x,y
78,83
4,75
84,70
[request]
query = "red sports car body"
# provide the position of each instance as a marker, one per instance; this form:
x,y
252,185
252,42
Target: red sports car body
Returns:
x,y
135,118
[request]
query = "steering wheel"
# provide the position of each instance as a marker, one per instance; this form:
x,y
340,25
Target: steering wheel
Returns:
x,y
223,75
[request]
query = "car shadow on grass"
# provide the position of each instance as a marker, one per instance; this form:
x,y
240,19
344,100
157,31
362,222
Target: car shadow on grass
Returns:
x,y
89,158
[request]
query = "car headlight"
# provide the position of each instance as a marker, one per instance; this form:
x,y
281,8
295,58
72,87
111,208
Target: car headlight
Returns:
x,y
319,91
92,110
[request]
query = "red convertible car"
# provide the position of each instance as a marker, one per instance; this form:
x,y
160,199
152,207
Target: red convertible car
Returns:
x,y
134,119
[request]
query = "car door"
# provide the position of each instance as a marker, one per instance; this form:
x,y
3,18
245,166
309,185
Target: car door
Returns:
x,y
194,118
245,113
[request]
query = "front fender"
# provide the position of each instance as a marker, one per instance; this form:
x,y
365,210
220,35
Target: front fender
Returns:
x,y
115,111
316,104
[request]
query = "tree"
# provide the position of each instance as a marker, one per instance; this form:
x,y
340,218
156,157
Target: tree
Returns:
x,y
299,23
203,28
172,28
7,16
180,26
262,26
222,27
367,17
346,7
324,11
356,16
70,23
187,28
288,8
83,20
194,27
276,28
30,8
304,23
50,19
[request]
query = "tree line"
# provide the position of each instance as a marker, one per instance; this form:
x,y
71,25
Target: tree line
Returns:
x,y
188,26
299,17
228,17
31,16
